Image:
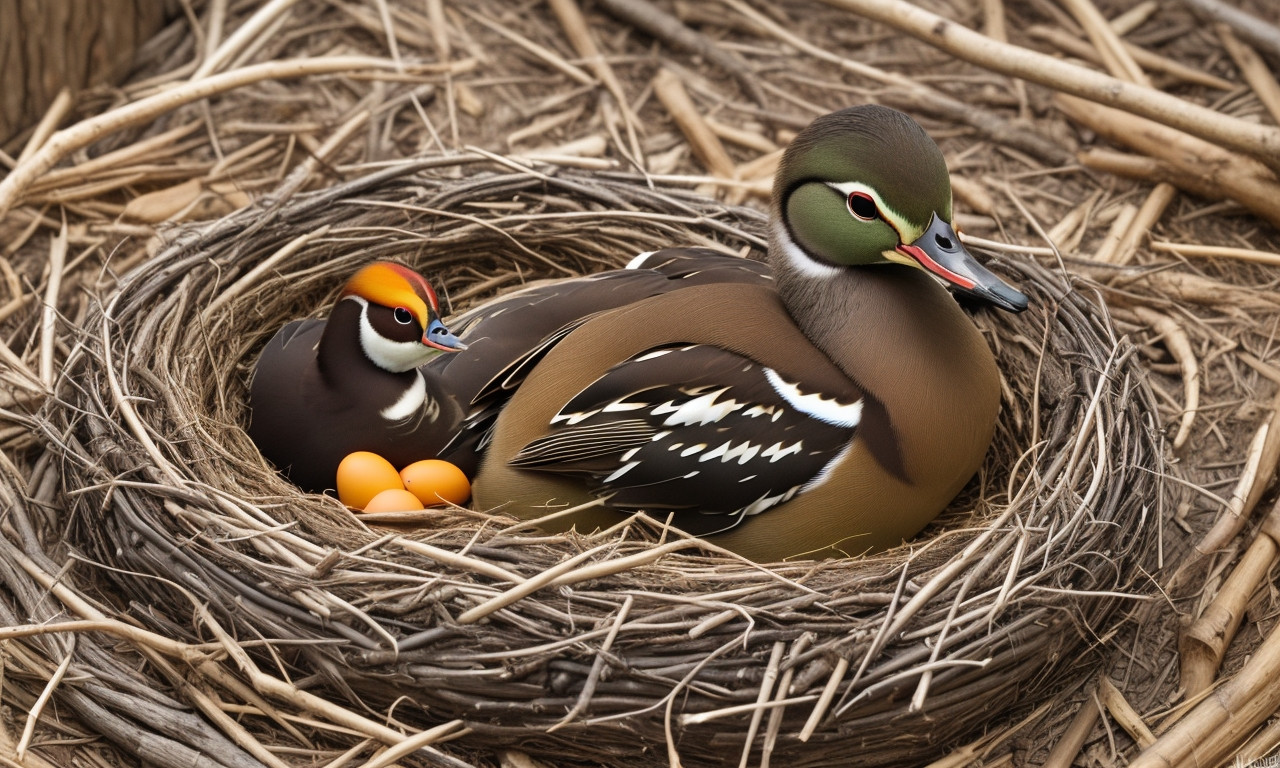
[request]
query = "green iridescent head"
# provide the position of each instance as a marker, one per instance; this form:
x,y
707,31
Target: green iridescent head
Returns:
x,y
866,185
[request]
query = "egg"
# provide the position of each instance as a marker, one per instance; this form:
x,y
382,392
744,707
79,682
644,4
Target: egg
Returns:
x,y
436,482
393,500
363,475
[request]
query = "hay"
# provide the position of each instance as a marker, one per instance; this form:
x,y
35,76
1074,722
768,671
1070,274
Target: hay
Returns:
x,y
623,648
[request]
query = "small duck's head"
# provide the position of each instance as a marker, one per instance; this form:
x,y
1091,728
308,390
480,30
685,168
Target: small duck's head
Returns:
x,y
866,185
400,327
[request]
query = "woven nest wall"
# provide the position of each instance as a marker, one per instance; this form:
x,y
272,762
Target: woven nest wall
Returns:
x,y
621,648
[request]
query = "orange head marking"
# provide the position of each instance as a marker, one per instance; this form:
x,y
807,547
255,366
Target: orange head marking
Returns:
x,y
394,285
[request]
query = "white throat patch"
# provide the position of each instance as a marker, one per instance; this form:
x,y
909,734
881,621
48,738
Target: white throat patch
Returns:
x,y
394,356
409,403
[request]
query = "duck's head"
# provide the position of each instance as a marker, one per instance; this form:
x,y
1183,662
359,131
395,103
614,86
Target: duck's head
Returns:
x,y
399,318
866,185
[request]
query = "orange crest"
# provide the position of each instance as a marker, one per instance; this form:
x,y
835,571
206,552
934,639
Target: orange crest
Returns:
x,y
395,285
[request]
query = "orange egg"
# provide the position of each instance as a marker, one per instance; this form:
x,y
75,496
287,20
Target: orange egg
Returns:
x,y
436,482
393,500
363,475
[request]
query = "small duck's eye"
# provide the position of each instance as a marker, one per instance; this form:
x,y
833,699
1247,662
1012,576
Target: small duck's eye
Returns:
x,y
862,206
402,316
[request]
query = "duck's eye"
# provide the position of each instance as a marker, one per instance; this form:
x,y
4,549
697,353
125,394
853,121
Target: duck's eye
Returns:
x,y
402,315
862,206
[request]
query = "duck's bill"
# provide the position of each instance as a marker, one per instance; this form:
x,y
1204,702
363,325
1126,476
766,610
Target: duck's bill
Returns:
x,y
940,253
440,337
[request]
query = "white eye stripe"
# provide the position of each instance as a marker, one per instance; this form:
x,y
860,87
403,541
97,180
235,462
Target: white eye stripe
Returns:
x,y
893,218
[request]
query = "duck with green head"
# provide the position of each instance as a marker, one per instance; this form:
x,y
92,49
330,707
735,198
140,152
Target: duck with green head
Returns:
x,y
831,408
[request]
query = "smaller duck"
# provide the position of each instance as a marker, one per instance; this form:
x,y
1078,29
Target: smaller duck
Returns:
x,y
325,388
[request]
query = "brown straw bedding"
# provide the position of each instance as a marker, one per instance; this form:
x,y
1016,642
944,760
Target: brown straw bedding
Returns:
x,y
621,648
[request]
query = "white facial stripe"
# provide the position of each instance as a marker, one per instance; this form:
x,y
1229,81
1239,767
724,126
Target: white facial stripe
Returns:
x,y
803,262
906,232
394,356
409,403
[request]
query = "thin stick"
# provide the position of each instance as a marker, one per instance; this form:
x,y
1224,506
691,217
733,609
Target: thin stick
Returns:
x,y
824,701
1072,740
49,314
1125,714
706,145
33,717
1252,29
1120,226
1262,142
579,34
1175,339
241,38
762,698
1255,71
1114,55
1218,252
646,16
546,54
1069,43
1263,455
85,132
1146,217
48,124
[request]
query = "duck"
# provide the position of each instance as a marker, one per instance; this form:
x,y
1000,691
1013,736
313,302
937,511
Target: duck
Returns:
x,y
827,403
324,388
372,377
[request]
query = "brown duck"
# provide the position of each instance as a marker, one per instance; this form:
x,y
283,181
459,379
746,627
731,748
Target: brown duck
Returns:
x,y
833,409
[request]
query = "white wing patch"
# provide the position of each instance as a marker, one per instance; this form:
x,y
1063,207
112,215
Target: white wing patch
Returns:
x,y
700,410
822,408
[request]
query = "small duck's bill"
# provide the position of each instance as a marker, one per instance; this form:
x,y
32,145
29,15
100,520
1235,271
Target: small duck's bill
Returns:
x,y
440,337
940,253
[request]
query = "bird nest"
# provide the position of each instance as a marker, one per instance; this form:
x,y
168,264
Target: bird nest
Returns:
x,y
469,631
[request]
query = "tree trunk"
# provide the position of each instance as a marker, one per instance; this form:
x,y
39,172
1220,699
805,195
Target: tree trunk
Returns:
x,y
46,45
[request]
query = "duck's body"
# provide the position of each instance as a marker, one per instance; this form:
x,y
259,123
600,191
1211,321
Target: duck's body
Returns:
x,y
832,410
506,337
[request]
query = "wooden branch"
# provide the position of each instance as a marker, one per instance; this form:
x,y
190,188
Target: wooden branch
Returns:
x,y
1069,43
1250,28
706,145
1260,465
1262,142
645,16
1115,57
85,132
1254,69
1217,252
1175,339
1196,165
910,95
1220,723
1203,645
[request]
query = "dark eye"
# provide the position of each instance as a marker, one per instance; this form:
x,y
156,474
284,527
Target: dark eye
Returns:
x,y
862,206
403,316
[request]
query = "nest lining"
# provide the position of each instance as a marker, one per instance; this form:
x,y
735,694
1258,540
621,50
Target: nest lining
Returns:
x,y
616,647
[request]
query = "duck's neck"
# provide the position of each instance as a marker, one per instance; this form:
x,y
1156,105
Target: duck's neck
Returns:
x,y
892,329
